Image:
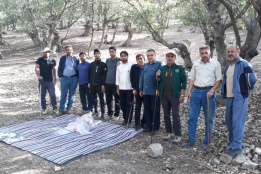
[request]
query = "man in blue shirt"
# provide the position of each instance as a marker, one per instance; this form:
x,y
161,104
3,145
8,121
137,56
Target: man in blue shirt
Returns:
x,y
83,69
68,74
147,86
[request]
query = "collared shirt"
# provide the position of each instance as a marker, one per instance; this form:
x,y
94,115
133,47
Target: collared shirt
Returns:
x,y
230,79
205,74
111,70
46,68
123,76
148,83
69,69
83,69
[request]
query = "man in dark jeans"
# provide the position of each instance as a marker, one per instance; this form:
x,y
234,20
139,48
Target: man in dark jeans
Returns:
x,y
172,86
83,69
97,76
135,73
110,86
148,87
46,73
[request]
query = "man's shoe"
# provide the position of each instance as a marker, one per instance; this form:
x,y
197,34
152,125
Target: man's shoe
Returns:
x,y
146,130
102,117
123,123
129,125
233,152
55,111
205,146
188,144
176,140
95,114
108,117
83,112
44,111
115,118
143,126
68,111
168,137
154,132
137,127
62,113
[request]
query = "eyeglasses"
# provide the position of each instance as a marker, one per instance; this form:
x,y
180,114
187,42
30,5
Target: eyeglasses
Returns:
x,y
139,58
96,53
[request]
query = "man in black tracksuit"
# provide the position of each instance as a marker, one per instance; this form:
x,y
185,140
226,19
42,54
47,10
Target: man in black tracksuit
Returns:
x,y
97,76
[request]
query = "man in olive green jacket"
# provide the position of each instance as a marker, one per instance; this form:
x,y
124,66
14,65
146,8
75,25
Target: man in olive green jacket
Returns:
x,y
172,85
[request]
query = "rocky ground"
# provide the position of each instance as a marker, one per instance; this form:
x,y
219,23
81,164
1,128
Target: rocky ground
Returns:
x,y
19,102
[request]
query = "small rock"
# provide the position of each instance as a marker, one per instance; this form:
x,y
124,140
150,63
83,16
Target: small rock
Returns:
x,y
239,159
249,155
155,150
245,145
256,172
215,161
249,165
246,150
252,147
57,168
255,158
226,158
257,151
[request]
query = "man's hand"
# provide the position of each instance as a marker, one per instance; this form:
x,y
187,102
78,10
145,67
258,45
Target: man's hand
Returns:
x,y
103,88
157,93
158,74
55,80
40,78
181,99
134,92
118,63
89,85
141,94
118,91
188,95
209,94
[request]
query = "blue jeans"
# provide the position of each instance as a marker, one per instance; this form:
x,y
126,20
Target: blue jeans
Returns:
x,y
199,99
236,111
84,92
67,84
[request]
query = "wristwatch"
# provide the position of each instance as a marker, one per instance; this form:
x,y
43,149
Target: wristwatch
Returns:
x,y
182,95
213,91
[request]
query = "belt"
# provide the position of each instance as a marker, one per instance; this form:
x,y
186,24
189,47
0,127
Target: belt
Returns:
x,y
69,76
206,87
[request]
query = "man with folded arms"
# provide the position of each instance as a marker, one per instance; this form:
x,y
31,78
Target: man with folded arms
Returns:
x,y
204,78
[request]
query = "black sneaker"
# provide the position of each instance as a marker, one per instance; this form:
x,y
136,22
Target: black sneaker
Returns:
x,y
137,127
123,123
102,117
188,144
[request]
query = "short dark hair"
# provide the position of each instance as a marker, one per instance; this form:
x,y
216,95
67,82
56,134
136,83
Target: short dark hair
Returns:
x,y
112,48
124,52
82,53
203,47
68,46
96,50
151,50
138,55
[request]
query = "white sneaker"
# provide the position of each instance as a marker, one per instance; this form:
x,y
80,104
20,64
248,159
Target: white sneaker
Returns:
x,y
115,118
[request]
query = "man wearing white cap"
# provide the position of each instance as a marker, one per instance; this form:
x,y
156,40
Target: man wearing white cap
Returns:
x,y
172,86
46,74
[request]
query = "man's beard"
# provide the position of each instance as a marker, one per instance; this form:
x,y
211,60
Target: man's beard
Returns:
x,y
124,60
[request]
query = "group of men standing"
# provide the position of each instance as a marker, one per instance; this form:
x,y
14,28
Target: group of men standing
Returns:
x,y
149,83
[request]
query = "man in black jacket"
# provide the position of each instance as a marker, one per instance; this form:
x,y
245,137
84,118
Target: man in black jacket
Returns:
x,y
97,76
135,73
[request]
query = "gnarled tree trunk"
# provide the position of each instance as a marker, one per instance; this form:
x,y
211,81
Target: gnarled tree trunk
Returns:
x,y
34,35
87,28
127,43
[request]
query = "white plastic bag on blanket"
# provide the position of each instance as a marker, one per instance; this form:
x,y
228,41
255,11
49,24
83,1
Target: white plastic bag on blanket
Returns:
x,y
81,124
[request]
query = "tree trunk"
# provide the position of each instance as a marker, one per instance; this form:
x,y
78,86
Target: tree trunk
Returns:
x,y
114,33
90,44
57,43
1,56
87,28
219,36
128,41
103,34
34,35
1,38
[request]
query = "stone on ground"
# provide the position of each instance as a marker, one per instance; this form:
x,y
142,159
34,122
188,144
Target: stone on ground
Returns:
x,y
239,159
226,158
257,151
215,162
155,150
249,165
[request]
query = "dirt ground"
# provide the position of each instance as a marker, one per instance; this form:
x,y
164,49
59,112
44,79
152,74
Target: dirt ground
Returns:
x,y
19,102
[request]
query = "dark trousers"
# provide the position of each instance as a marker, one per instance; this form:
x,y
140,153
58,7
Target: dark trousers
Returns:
x,y
139,101
170,103
126,98
149,106
110,90
47,86
84,92
97,89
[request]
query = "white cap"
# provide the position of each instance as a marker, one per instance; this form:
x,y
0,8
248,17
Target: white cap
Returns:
x,y
172,52
46,49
